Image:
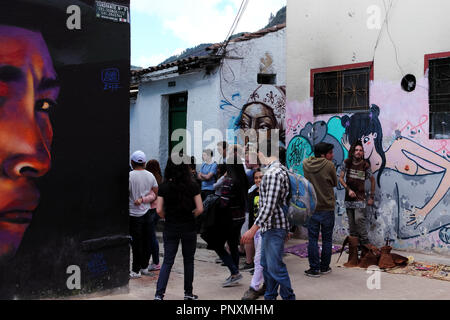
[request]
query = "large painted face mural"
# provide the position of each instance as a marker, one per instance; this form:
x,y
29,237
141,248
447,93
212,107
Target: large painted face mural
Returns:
x,y
264,111
412,172
28,89
64,79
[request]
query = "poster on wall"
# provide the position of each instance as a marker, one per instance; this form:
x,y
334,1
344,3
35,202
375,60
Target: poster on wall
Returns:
x,y
64,140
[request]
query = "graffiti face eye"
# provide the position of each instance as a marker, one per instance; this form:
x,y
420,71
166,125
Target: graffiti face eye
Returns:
x,y
366,140
419,131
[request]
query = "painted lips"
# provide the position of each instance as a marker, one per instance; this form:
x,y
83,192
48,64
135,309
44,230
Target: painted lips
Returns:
x,y
17,217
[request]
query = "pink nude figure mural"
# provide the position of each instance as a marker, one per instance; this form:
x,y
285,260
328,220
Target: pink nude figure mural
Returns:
x,y
412,171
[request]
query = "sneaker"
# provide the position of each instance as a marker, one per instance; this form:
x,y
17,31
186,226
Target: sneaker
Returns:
x,y
248,267
312,273
135,275
250,294
159,298
232,280
154,267
325,271
190,297
146,272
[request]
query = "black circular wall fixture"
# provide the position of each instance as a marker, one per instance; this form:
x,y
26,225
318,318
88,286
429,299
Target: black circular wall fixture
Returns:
x,y
409,83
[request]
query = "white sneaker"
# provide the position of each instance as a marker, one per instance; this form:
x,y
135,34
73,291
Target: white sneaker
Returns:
x,y
146,272
134,275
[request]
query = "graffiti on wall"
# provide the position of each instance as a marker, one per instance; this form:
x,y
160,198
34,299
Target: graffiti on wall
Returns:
x,y
412,173
264,110
56,83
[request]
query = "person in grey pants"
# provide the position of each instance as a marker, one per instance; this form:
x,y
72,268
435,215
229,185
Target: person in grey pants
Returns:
x,y
356,170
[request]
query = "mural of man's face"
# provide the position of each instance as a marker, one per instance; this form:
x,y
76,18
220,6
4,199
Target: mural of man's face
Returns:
x,y
28,88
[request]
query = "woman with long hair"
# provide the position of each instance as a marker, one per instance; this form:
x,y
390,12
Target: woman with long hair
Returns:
x,y
179,203
154,167
405,163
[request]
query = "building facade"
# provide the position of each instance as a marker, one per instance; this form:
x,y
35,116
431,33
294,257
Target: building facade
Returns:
x,y
377,72
206,94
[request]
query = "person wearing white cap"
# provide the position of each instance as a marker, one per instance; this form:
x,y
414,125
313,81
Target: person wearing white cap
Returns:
x,y
143,190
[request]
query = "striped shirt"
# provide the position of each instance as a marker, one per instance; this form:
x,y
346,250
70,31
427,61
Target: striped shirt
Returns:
x,y
274,191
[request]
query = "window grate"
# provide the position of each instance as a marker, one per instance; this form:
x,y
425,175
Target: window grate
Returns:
x,y
341,91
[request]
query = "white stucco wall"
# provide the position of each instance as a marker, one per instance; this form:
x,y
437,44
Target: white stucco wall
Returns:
x,y
150,117
329,33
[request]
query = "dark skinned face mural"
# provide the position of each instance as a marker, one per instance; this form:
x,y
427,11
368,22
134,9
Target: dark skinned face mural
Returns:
x,y
63,71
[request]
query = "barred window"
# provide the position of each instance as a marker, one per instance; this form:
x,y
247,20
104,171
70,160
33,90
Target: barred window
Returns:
x,y
439,97
341,91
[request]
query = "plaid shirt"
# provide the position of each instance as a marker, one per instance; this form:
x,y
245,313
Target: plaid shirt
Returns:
x,y
274,191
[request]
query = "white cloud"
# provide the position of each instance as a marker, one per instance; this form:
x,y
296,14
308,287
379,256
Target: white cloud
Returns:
x,y
150,61
200,21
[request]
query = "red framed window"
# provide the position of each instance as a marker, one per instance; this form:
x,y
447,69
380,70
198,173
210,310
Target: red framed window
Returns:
x,y
438,66
341,89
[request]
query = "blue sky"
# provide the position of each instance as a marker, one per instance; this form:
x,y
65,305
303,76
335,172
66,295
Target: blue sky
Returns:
x,y
160,29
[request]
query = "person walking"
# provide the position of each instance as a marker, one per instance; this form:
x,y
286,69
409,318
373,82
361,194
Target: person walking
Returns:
x,y
154,167
143,189
231,217
179,202
320,171
356,170
274,192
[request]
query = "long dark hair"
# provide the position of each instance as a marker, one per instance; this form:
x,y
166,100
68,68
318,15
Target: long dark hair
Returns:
x,y
153,167
351,152
363,124
180,179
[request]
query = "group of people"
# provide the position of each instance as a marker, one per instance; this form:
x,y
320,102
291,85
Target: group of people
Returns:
x,y
321,172
221,196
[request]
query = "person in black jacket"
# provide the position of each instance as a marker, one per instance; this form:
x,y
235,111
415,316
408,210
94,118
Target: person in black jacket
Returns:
x,y
232,206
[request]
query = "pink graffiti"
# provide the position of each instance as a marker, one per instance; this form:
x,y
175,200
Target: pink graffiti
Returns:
x,y
443,148
413,131
290,123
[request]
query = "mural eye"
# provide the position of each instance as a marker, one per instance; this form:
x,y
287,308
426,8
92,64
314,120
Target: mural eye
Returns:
x,y
44,105
419,131
366,139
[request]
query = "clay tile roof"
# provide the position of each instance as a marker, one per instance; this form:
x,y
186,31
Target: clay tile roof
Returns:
x,y
181,62
250,36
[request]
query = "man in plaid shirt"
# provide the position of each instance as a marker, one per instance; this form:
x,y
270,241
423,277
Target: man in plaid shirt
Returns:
x,y
274,191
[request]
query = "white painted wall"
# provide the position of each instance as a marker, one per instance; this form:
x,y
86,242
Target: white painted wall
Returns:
x,y
328,33
150,117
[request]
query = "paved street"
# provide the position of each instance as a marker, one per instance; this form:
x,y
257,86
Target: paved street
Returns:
x,y
341,284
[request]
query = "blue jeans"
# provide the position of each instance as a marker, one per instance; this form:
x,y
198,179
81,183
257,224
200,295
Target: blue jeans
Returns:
x,y
320,221
188,245
154,244
274,270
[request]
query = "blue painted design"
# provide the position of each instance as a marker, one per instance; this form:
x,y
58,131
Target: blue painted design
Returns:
x,y
111,79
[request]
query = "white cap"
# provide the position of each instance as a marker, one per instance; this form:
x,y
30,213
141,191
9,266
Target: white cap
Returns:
x,y
139,157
